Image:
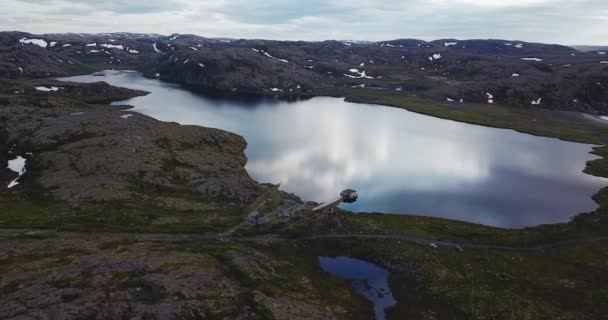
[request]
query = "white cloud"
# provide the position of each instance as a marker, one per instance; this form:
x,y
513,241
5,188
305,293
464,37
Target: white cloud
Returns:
x,y
554,21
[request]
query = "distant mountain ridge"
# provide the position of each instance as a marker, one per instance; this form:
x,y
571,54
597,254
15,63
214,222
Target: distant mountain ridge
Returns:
x,y
453,71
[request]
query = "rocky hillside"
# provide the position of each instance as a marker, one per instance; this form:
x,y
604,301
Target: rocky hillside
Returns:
x,y
449,71
78,152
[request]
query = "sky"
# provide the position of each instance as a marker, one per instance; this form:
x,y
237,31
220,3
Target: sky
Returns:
x,y
571,22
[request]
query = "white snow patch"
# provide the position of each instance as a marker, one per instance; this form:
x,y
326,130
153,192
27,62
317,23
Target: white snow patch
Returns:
x,y
515,75
276,90
254,49
112,46
490,97
362,64
155,47
604,62
604,118
66,45
193,48
361,74
201,65
519,45
186,61
52,44
126,116
38,42
92,44
537,102
20,69
269,56
532,59
133,51
157,75
309,67
448,44
76,113
94,51
16,165
47,89
449,100
601,52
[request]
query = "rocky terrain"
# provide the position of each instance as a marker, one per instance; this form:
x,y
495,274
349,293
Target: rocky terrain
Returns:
x,y
78,152
453,72
109,214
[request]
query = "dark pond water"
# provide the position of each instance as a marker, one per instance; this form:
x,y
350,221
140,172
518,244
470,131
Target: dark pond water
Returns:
x,y
367,278
399,161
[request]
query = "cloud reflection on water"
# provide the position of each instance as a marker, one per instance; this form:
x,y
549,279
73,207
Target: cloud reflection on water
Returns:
x,y
399,161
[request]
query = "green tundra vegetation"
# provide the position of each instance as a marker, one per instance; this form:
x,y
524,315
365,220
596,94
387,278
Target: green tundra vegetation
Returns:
x,y
181,251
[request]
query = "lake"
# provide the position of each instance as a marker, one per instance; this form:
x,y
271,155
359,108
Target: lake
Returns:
x,y
398,161
367,279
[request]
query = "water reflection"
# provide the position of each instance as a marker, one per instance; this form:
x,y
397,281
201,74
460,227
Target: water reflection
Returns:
x,y
367,278
399,161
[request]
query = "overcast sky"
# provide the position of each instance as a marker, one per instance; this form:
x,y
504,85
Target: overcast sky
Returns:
x,y
549,21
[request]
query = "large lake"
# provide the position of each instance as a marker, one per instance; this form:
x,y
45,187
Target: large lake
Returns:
x,y
399,161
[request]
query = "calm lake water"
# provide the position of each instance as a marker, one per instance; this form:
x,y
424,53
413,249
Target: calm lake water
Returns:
x,y
367,279
399,161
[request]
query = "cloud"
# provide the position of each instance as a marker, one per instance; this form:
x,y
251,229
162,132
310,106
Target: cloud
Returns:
x,y
553,21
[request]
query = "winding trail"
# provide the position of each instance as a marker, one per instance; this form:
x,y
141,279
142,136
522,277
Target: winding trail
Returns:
x,y
267,239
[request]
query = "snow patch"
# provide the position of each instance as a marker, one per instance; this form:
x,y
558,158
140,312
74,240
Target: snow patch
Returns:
x,y
66,45
537,102
435,56
601,52
133,51
449,100
532,59
38,42
126,116
201,65
16,165
515,75
193,48
276,90
362,74
448,44
155,47
112,46
47,89
269,56
52,44
490,97
604,62
519,45
92,44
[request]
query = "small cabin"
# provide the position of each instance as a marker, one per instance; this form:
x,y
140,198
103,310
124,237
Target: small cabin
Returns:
x,y
289,209
256,218
349,195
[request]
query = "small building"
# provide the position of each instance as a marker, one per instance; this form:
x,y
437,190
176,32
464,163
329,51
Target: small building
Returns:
x,y
349,195
289,209
256,218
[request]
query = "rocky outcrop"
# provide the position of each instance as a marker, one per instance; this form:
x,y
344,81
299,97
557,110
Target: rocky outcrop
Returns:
x,y
79,152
